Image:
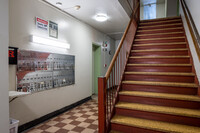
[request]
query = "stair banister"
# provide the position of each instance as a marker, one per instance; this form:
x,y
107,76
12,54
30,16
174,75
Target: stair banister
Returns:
x,y
192,27
109,85
117,52
193,30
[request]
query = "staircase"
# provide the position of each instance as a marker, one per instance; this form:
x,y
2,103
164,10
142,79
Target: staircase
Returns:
x,y
159,88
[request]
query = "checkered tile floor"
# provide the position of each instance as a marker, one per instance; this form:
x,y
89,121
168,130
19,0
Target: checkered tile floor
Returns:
x,y
82,119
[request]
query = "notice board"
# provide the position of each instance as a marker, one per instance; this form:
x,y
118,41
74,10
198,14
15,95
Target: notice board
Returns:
x,y
38,71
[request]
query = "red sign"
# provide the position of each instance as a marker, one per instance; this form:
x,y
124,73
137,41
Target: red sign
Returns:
x,y
42,24
12,54
42,21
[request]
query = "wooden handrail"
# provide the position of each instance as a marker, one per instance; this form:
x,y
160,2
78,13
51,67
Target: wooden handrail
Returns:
x,y
120,45
192,27
109,85
117,52
134,13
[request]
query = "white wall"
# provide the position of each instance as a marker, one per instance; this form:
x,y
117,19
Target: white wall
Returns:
x,y
106,57
172,8
4,108
165,7
78,34
193,6
195,11
116,44
160,10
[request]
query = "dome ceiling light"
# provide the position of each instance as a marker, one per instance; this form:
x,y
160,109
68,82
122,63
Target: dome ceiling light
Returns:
x,y
101,17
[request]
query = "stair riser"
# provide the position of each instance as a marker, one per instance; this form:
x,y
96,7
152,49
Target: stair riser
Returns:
x,y
159,41
159,61
159,47
160,53
130,129
159,117
160,101
158,23
159,69
160,36
160,89
158,31
159,78
159,27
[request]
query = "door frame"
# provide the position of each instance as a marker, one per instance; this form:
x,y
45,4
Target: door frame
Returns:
x,y
95,90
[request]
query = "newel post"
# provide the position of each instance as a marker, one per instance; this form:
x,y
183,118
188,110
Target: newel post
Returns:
x,y
102,104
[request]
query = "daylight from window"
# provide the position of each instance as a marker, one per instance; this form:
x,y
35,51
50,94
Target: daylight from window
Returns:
x,y
150,9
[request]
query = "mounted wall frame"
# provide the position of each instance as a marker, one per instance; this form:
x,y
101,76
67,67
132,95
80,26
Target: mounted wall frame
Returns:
x,y
38,71
53,29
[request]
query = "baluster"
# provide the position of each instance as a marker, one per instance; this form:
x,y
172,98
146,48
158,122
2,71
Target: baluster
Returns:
x,y
116,73
110,89
107,111
121,62
118,70
110,85
122,55
114,80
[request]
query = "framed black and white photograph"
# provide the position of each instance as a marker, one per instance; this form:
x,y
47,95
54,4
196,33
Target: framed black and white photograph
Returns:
x,y
53,29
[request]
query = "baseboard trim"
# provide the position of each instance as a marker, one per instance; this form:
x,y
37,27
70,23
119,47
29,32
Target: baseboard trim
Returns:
x,y
51,115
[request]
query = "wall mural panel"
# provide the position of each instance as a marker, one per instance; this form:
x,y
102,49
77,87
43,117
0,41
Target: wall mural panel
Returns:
x,y
38,71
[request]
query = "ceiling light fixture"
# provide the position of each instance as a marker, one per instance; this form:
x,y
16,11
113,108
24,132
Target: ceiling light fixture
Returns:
x,y
49,42
101,17
59,4
77,7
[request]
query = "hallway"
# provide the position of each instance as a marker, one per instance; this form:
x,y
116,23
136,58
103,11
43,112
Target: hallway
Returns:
x,y
98,66
82,119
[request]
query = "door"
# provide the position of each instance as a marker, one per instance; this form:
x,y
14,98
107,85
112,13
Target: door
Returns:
x,y
96,67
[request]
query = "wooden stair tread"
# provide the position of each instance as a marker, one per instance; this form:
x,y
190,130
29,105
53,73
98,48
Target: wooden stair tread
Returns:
x,y
164,65
159,38
162,19
112,131
155,44
192,85
160,33
158,22
159,109
154,125
143,23
161,29
174,24
162,73
161,95
159,57
160,50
